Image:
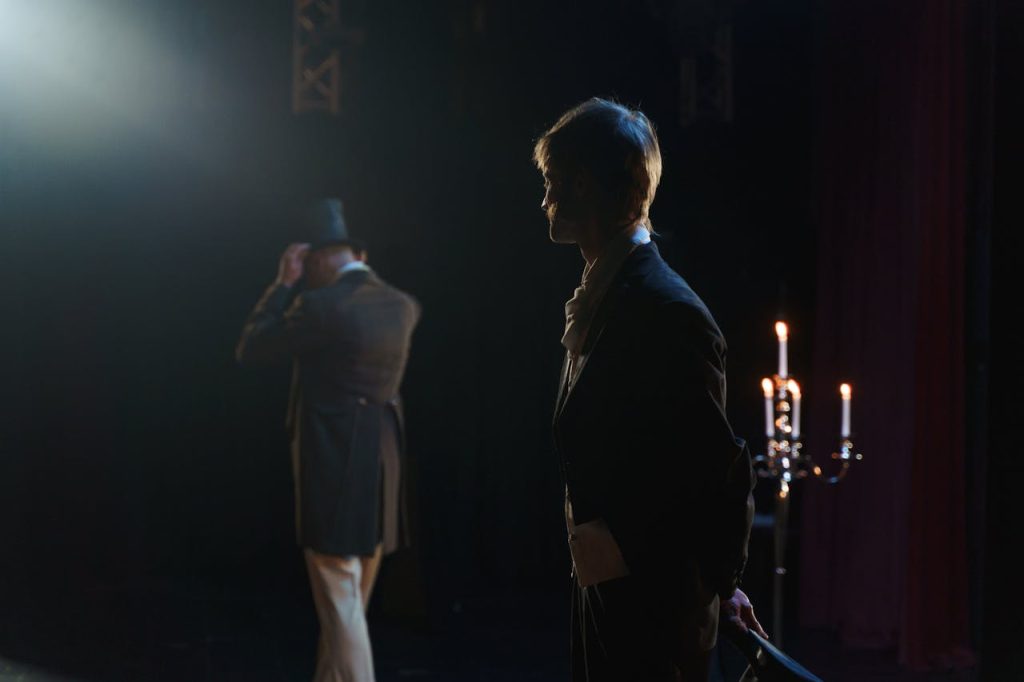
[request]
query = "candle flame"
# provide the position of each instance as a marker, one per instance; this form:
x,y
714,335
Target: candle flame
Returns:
x,y
782,331
845,391
768,387
794,388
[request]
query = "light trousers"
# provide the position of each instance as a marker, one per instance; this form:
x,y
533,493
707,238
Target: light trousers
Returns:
x,y
341,589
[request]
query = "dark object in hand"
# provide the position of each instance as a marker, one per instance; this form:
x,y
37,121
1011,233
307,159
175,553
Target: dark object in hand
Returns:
x,y
767,663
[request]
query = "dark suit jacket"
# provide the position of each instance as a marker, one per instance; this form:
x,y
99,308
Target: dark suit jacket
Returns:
x,y
350,342
643,439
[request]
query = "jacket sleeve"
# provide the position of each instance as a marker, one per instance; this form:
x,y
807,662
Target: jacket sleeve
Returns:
x,y
275,329
722,461
724,556
694,454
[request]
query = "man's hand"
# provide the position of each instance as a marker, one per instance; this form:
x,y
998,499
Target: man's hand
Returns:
x,y
737,614
289,270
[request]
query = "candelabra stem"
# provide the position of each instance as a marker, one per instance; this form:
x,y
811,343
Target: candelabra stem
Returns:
x,y
781,523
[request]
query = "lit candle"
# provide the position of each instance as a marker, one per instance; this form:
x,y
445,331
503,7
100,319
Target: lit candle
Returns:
x,y
794,388
846,392
782,331
769,408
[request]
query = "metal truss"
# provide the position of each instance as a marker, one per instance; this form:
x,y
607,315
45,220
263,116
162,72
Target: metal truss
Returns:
x,y
316,56
705,81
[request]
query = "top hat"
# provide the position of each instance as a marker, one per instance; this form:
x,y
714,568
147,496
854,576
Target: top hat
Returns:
x,y
769,664
322,223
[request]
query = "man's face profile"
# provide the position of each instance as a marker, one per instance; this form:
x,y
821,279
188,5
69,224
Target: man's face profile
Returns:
x,y
557,205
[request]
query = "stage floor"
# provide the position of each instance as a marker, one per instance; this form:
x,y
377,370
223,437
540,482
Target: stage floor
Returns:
x,y
166,632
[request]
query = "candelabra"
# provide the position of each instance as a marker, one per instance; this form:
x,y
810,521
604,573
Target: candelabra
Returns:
x,y
785,460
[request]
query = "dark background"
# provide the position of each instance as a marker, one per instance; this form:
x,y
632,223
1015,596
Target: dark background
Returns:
x,y
147,155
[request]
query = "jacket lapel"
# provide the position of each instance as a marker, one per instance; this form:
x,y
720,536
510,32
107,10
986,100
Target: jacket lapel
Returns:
x,y
563,383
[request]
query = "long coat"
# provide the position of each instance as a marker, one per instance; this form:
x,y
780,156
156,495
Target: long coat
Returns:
x,y
644,442
350,342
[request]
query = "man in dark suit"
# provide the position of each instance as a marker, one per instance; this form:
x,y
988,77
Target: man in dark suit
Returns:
x,y
349,334
658,490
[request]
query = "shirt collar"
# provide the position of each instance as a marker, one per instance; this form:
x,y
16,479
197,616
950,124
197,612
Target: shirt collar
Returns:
x,y
604,269
354,266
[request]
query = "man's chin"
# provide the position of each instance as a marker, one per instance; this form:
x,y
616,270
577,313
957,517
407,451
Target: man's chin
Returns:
x,y
561,233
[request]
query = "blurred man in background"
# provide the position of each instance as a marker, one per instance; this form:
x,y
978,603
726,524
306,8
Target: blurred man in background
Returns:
x,y
348,333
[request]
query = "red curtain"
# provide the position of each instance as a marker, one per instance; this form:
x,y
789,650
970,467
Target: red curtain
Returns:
x,y
883,554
